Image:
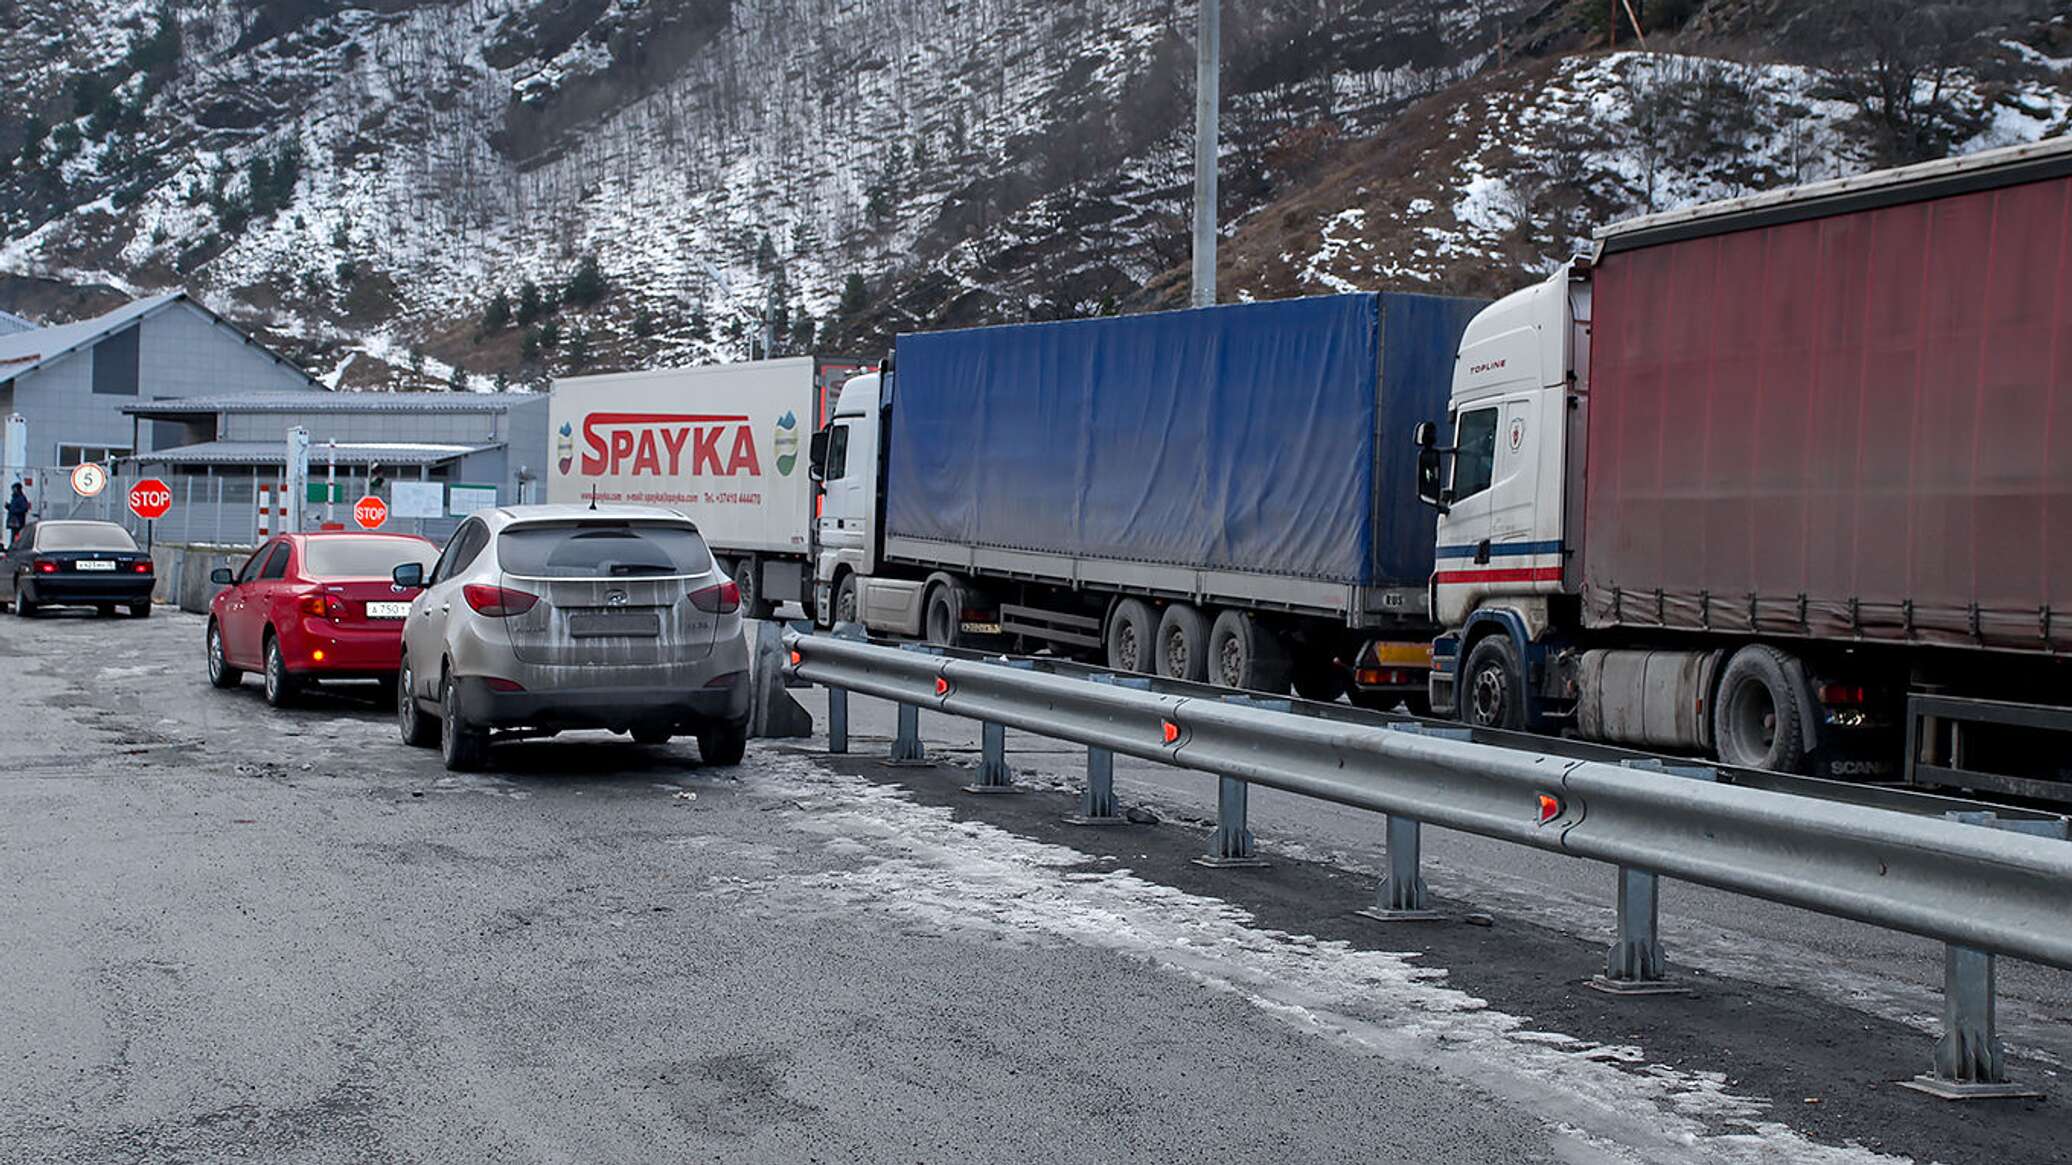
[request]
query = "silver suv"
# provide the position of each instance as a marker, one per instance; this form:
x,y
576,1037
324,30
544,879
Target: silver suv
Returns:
x,y
537,619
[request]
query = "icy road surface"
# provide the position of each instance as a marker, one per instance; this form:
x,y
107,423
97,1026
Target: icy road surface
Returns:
x,y
285,936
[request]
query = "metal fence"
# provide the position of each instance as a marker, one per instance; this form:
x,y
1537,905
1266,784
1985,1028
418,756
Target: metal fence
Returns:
x,y
1979,883
209,509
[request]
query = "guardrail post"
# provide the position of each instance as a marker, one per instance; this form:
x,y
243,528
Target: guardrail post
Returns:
x,y
994,775
837,720
1402,896
1097,804
1636,964
906,743
1231,847
1970,1062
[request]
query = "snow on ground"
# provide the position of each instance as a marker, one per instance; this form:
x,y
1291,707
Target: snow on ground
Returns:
x,y
968,877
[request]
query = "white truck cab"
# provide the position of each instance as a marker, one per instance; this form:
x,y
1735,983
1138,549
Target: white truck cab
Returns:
x,y
1519,391
845,458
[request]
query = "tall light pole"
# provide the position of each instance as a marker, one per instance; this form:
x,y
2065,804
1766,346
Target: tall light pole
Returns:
x,y
1207,98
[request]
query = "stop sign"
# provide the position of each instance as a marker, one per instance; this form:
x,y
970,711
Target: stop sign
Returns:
x,y
149,499
370,512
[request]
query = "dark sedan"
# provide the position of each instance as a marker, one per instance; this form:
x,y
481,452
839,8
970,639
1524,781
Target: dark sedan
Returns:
x,y
77,564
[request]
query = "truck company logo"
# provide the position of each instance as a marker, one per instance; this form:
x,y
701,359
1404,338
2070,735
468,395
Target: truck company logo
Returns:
x,y
565,447
668,444
1485,366
785,442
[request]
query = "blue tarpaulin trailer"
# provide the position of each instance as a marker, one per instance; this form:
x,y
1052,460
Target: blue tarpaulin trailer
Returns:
x,y
1252,455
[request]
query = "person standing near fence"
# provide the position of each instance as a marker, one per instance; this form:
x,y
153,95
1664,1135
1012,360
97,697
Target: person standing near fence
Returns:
x,y
17,513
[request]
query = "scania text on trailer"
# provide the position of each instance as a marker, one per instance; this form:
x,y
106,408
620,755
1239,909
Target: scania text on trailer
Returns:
x,y
722,445
1219,494
1785,480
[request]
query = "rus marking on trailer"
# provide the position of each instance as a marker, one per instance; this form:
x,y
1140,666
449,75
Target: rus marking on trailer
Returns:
x,y
653,445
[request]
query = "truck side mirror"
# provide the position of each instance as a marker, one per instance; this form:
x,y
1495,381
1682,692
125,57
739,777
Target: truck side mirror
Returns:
x,y
1429,489
1426,435
409,576
816,456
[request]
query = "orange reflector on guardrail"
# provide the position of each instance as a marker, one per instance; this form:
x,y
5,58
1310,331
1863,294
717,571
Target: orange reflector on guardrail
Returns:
x,y
1169,731
795,659
942,686
1550,807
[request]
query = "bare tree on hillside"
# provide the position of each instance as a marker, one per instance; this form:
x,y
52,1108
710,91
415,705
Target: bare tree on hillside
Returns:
x,y
1899,59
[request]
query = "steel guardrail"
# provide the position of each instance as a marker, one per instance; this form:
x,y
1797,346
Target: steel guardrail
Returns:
x,y
1897,797
1985,889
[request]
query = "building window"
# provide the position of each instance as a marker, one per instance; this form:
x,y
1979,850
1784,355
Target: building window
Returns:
x,y
71,455
115,363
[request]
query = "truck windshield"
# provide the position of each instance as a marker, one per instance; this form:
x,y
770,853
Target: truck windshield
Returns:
x,y
602,550
83,536
338,558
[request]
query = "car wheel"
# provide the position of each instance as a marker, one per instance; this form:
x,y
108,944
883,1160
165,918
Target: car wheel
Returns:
x,y
22,606
280,686
462,746
417,728
105,610
221,674
724,746
651,736
1183,644
1755,718
1493,685
845,600
140,610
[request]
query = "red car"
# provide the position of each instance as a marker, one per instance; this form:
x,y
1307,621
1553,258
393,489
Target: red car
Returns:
x,y
309,607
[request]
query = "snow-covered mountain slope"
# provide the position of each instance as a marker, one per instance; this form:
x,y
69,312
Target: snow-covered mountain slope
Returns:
x,y
359,178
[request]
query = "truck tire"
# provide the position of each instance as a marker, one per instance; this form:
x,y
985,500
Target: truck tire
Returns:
x,y
1132,629
845,601
941,616
1757,722
1493,685
1246,655
1183,644
750,584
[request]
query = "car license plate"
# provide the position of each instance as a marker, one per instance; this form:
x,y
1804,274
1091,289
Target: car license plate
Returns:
x,y
388,610
93,564
615,625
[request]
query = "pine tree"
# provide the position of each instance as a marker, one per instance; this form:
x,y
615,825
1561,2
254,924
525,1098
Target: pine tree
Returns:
x,y
578,348
802,328
550,334
502,383
416,366
497,316
529,346
701,327
528,303
854,297
458,382
586,286
765,253
643,322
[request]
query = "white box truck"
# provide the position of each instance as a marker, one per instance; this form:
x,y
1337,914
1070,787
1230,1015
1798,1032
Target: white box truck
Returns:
x,y
723,445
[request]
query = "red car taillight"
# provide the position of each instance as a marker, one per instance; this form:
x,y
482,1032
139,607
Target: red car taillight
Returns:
x,y
46,566
321,606
143,567
722,599
497,602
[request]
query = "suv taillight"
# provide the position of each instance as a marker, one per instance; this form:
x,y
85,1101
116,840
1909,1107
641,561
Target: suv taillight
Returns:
x,y
497,602
722,599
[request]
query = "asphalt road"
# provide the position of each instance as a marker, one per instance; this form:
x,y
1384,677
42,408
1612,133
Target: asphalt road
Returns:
x,y
236,933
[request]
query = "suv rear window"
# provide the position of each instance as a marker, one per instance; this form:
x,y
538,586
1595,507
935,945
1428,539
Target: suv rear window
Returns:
x,y
602,550
362,557
83,536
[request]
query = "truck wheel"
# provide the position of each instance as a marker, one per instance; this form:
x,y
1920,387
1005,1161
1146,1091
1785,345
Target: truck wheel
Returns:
x,y
945,609
1183,644
845,600
1756,721
1493,685
1244,654
1132,629
750,582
